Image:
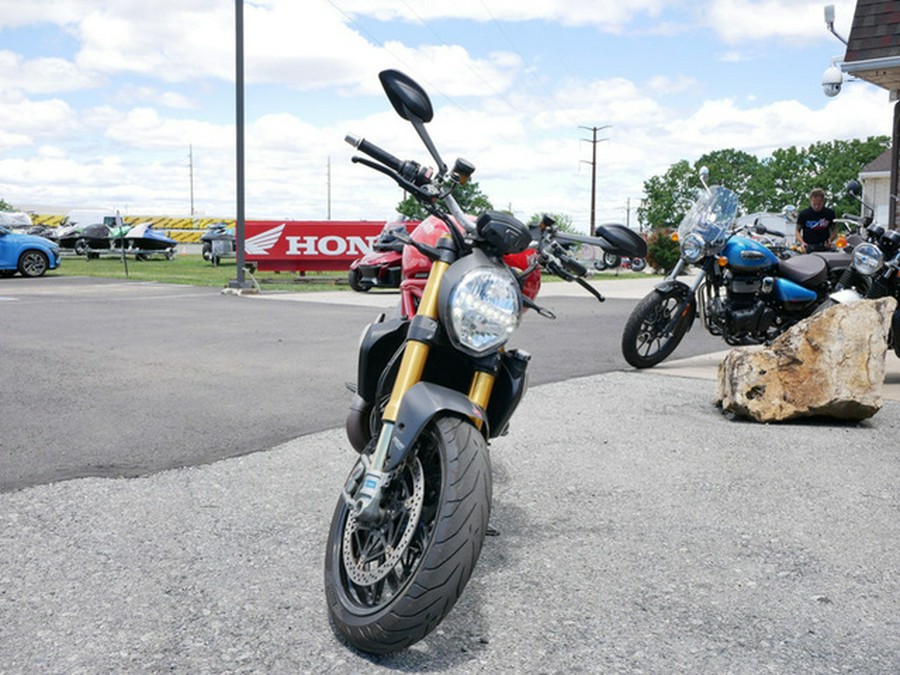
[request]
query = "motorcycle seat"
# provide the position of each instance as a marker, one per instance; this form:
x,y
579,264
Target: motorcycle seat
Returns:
x,y
806,270
835,260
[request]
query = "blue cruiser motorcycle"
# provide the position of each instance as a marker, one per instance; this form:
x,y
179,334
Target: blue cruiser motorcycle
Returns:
x,y
741,289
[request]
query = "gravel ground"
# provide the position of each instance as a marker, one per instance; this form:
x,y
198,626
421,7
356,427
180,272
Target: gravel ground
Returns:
x,y
640,531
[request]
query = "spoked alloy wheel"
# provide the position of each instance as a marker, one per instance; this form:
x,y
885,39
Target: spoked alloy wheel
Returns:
x,y
645,341
389,585
33,264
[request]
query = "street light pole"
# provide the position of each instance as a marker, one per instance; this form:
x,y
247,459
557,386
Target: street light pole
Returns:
x,y
593,141
240,283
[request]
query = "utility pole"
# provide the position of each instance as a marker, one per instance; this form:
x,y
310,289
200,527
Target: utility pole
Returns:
x,y
593,141
329,187
191,161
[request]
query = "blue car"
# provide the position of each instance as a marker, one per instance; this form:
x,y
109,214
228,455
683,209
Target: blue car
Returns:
x,y
26,254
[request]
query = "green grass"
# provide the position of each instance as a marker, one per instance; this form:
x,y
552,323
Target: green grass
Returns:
x,y
192,270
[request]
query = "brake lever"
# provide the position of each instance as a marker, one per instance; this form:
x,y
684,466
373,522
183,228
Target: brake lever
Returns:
x,y
565,275
417,191
590,289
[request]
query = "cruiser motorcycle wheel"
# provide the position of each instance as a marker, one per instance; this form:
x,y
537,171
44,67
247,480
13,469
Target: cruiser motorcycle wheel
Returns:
x,y
387,586
645,341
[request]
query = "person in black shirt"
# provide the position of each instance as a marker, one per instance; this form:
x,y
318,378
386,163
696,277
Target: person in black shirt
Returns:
x,y
816,230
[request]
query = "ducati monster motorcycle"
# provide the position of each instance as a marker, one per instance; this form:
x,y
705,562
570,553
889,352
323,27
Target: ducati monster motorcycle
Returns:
x,y
741,289
435,383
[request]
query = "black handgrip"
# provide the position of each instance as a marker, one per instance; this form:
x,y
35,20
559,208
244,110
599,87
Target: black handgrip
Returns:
x,y
374,152
573,266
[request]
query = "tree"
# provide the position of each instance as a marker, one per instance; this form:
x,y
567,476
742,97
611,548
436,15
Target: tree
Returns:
x,y
6,206
837,163
785,178
790,173
732,168
469,197
668,197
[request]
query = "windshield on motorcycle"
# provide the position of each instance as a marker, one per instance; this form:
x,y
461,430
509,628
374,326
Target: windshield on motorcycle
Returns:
x,y
711,216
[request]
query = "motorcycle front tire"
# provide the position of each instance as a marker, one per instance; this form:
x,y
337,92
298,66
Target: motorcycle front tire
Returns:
x,y
644,342
389,585
354,278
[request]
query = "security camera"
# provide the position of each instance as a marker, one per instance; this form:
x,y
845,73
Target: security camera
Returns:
x,y
832,79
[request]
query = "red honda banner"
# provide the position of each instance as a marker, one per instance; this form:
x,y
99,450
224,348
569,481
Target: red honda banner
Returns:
x,y
306,246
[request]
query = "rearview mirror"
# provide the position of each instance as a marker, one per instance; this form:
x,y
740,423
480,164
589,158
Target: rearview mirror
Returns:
x,y
408,98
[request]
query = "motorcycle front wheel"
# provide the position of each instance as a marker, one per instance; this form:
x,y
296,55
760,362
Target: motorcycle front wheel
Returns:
x,y
354,278
645,341
387,586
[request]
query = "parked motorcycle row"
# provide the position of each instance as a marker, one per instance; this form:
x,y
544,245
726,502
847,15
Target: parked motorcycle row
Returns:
x,y
743,291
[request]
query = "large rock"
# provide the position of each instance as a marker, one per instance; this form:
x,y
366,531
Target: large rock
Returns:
x,y
829,365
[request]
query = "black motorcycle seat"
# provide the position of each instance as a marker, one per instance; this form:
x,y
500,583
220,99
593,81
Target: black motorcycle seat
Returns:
x,y
835,260
807,270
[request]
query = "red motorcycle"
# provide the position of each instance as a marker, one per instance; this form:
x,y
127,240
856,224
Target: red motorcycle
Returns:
x,y
435,383
382,267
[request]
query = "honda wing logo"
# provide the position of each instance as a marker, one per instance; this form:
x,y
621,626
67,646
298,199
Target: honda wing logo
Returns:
x,y
261,243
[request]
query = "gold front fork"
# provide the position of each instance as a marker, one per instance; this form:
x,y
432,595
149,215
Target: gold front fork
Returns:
x,y
415,354
480,392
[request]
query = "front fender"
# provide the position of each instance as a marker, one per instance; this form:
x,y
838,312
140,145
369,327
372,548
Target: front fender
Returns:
x,y
668,285
421,403
674,286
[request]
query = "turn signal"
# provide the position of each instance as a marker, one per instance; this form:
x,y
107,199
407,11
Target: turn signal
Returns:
x,y
722,260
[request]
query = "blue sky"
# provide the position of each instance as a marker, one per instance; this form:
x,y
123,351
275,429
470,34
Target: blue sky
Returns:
x,y
100,101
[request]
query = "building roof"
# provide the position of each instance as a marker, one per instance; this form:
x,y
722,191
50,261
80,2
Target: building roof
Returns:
x,y
879,165
873,49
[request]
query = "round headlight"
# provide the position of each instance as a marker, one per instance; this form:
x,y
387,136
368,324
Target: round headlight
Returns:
x,y
483,310
867,259
693,247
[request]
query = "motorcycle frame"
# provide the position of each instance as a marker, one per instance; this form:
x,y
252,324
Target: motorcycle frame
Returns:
x,y
414,402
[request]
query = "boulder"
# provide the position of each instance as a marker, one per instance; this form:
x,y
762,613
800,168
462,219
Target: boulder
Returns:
x,y
829,365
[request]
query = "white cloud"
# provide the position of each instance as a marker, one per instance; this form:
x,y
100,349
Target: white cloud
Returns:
x,y
146,77
743,21
611,15
42,75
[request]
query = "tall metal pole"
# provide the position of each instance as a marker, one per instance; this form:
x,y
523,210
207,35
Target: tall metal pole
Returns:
x,y
240,282
593,141
191,160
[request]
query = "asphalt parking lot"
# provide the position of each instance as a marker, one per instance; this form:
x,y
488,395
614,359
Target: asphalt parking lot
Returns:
x,y
640,531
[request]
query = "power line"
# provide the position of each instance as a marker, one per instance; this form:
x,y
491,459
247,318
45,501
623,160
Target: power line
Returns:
x,y
515,48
